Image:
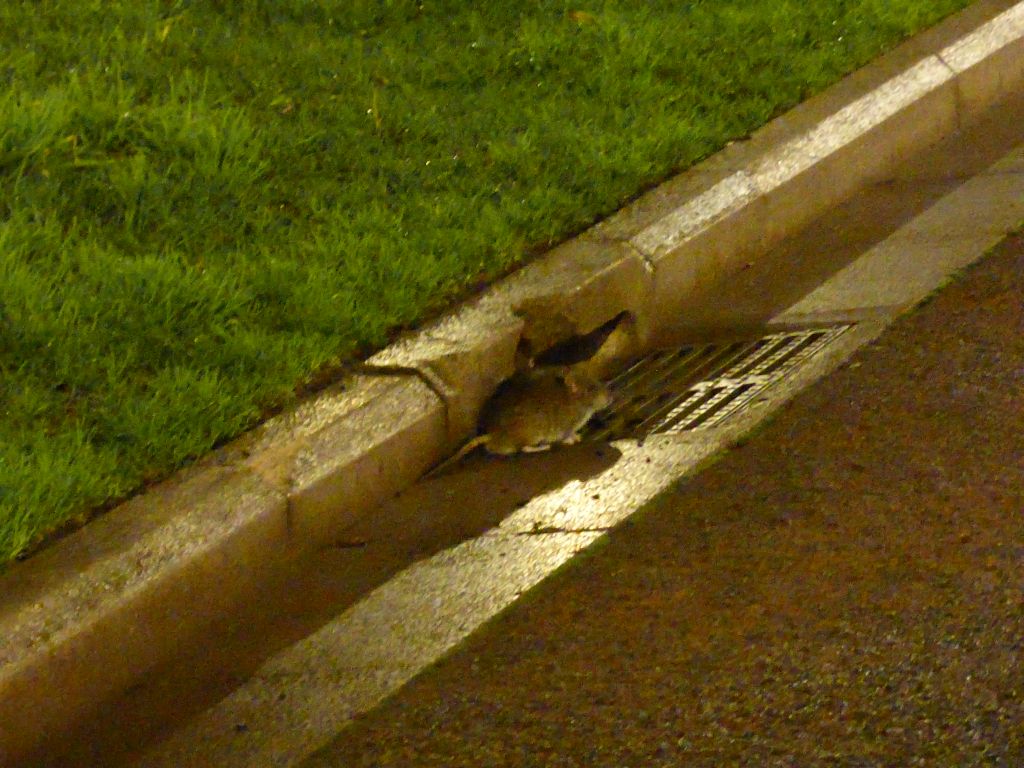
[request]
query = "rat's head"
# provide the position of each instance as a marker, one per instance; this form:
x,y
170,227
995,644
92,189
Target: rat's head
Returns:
x,y
587,391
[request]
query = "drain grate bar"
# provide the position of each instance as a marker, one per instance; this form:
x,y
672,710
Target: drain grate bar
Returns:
x,y
700,385
649,385
780,353
771,350
716,404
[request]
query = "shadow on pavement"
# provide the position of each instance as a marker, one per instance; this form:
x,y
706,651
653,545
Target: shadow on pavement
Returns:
x,y
436,513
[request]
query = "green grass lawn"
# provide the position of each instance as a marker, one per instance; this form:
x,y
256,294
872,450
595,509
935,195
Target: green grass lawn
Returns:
x,y
203,203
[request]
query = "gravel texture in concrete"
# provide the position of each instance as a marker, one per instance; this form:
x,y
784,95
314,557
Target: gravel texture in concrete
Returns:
x,y
845,588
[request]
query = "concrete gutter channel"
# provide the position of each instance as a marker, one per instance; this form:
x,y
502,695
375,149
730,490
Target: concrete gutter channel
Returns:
x,y
85,619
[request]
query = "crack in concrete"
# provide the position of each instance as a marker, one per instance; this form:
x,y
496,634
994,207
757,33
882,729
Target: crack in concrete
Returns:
x,y
424,374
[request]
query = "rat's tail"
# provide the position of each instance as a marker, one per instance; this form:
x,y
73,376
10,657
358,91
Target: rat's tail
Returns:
x,y
464,451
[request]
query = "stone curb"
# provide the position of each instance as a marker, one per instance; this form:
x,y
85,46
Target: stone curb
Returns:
x,y
86,618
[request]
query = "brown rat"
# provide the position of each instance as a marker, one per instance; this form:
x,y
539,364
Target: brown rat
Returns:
x,y
541,408
535,410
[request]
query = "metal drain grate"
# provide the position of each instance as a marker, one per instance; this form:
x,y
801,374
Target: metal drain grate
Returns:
x,y
692,387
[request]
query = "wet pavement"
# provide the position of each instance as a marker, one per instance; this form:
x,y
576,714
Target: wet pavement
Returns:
x,y
845,587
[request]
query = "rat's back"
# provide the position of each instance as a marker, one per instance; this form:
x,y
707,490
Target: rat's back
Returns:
x,y
540,409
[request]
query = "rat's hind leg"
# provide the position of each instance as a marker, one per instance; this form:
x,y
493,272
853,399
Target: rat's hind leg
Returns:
x,y
535,448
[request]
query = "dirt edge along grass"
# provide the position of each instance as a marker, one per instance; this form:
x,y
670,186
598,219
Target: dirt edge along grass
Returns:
x,y
203,204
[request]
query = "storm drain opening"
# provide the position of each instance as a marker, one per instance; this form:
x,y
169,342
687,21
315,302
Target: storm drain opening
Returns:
x,y
698,386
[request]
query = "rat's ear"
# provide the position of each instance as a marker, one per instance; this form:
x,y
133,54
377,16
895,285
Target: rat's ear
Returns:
x,y
572,383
